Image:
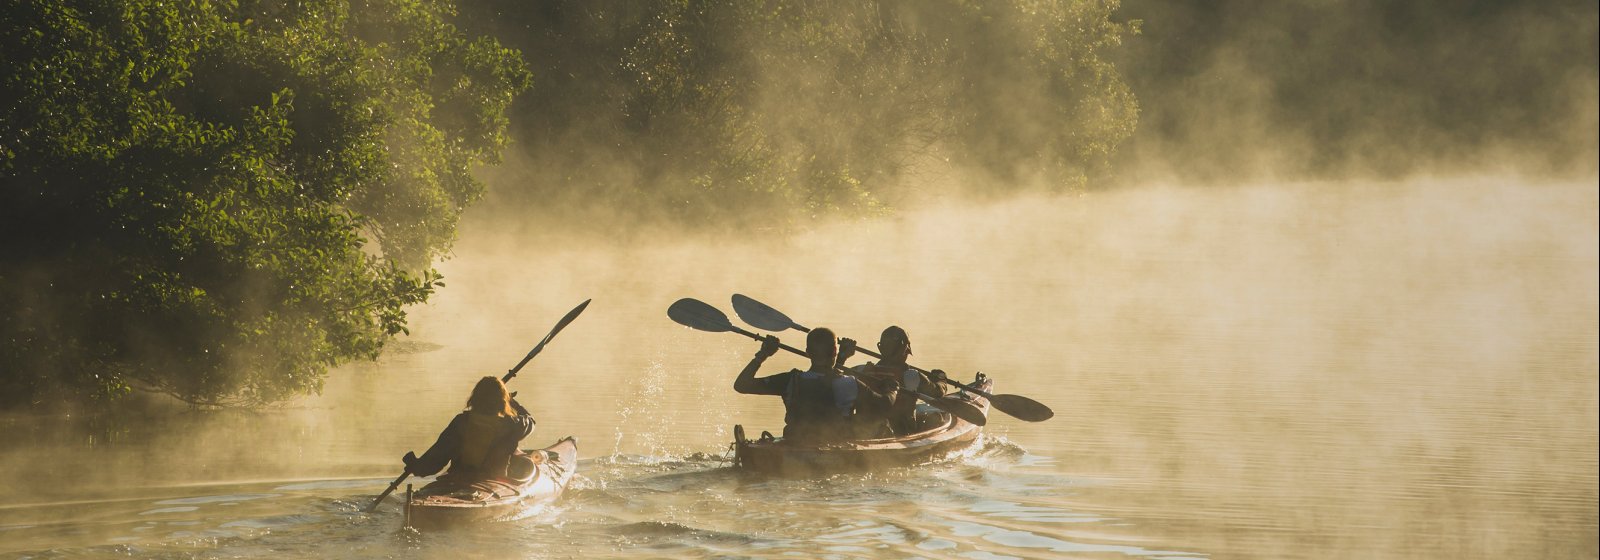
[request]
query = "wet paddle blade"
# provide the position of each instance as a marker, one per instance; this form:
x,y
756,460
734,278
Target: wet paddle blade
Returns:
x,y
1023,408
762,316
956,407
386,492
699,315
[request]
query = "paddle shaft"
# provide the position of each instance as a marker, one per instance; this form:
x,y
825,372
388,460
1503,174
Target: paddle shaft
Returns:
x,y
565,320
763,316
924,398
964,386
389,490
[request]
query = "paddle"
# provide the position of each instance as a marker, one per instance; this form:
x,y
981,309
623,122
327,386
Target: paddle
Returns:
x,y
540,347
508,376
764,317
701,316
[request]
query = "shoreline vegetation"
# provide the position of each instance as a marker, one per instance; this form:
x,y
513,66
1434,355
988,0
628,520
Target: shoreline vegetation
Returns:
x,y
218,203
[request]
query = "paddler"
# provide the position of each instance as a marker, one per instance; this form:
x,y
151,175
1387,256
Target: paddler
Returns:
x,y
480,441
891,371
819,403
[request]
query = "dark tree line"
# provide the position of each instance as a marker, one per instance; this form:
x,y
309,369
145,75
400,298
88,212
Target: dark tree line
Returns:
x,y
1363,87
221,200
730,112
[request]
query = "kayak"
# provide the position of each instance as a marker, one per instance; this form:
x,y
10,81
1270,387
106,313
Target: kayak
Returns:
x,y
448,502
941,435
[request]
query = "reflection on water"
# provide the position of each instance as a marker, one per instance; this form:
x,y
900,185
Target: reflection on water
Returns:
x,y
1312,371
984,504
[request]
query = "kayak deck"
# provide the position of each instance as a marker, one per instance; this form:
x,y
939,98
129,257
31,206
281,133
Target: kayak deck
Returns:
x,y
448,502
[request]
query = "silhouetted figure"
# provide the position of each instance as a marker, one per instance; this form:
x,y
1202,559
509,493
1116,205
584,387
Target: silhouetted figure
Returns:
x,y
480,441
891,371
819,403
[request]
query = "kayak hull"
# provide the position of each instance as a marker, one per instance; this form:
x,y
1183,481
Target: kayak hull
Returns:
x,y
446,503
944,435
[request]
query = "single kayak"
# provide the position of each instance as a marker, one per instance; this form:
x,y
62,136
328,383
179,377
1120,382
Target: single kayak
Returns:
x,y
448,502
941,435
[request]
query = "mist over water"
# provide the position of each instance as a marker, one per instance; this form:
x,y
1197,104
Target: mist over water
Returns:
x,y
1395,370
1244,91
1382,364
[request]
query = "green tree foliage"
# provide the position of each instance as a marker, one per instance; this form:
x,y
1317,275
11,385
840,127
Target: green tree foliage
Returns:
x,y
219,200
732,111
188,188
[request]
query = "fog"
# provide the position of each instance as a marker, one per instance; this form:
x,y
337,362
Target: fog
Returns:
x,y
1348,351
1290,359
1300,304
1236,92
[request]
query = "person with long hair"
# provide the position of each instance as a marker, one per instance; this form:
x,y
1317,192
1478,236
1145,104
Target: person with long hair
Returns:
x,y
480,440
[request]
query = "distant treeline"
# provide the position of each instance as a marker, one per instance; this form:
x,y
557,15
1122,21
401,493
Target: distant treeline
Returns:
x,y
1307,89
728,113
221,200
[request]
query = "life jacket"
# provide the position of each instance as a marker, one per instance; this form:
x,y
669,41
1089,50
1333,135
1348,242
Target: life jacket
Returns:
x,y
909,379
817,407
902,415
480,435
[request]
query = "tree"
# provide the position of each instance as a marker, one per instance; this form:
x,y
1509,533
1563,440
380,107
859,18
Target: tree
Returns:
x,y
732,112
219,200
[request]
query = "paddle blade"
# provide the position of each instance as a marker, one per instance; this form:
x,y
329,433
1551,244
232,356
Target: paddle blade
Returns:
x,y
956,407
761,316
567,319
699,315
387,491
1023,408
540,347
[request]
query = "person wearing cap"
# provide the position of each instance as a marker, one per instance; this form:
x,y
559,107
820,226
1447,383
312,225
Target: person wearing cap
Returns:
x,y
820,404
891,371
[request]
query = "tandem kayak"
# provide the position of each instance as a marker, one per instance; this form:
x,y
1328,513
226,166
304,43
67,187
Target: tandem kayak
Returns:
x,y
447,502
941,435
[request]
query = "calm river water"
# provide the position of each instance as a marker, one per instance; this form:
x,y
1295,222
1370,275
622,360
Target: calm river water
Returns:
x,y
1398,370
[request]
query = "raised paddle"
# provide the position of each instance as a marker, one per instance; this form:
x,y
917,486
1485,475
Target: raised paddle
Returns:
x,y
701,316
764,317
507,377
540,347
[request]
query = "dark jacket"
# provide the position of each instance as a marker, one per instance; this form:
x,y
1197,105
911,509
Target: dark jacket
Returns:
x,y
900,411
506,433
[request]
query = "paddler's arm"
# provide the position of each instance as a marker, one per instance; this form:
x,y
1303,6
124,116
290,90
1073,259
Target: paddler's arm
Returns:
x,y
747,383
875,395
889,388
876,383
930,385
524,418
847,348
437,456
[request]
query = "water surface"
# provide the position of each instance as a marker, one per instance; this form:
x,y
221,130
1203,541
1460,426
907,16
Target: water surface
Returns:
x,y
1395,370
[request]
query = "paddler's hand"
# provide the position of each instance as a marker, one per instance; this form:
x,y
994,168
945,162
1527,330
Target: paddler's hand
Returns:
x,y
409,459
889,387
847,348
769,346
937,375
